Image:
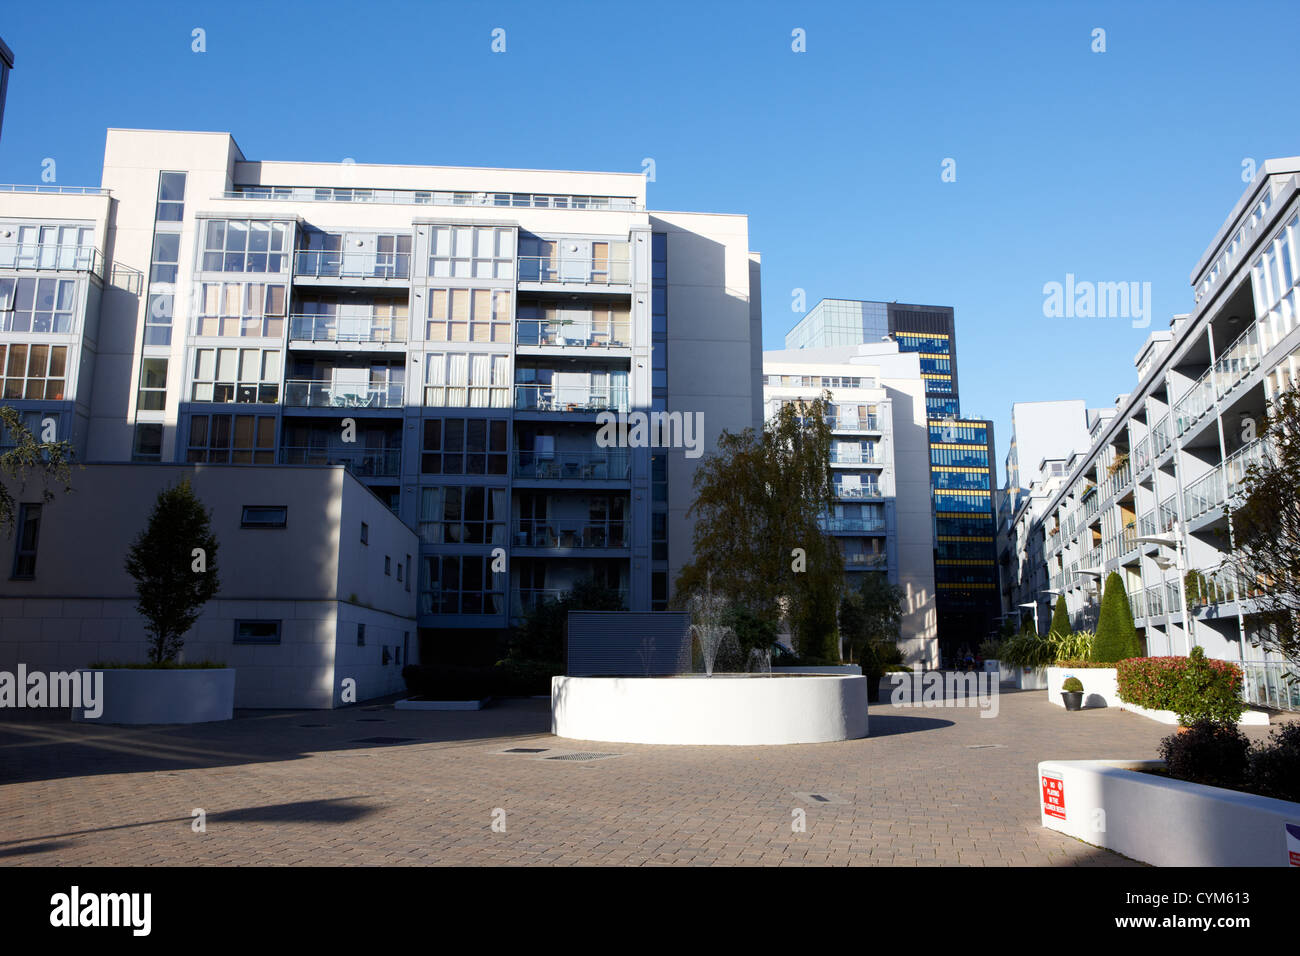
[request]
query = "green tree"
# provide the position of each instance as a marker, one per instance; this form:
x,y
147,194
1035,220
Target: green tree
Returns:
x,y
24,457
759,498
1116,638
753,632
1060,618
872,614
174,563
1265,515
540,637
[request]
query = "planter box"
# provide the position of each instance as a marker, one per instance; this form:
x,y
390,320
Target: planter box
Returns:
x,y
1249,718
172,696
1165,822
1099,685
1006,673
1031,678
410,703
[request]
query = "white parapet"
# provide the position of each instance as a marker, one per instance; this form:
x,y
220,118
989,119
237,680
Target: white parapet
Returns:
x,y
1115,805
739,710
163,696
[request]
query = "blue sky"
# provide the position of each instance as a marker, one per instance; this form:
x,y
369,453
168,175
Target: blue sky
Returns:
x,y
1114,166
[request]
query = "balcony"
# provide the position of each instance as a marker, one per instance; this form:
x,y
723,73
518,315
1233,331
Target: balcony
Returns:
x,y
325,393
1161,439
851,525
351,265
1237,361
866,561
386,463
523,600
1155,599
1270,685
50,257
1142,456
340,329
856,423
854,457
559,334
574,270
1137,604
1166,514
577,399
609,465
574,535
870,490
418,197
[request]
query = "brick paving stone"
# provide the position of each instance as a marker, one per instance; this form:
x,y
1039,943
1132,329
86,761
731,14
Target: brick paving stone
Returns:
x,y
277,794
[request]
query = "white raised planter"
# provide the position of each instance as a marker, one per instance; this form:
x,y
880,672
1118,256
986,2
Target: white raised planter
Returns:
x,y
1031,678
1099,685
410,703
163,695
723,709
827,669
1006,673
1108,803
1249,718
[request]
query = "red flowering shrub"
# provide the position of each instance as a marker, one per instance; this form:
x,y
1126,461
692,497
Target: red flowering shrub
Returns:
x,y
1195,688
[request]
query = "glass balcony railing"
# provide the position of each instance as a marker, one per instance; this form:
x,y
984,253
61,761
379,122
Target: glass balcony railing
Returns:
x,y
333,328
1222,483
586,270
350,265
853,423
1237,361
1161,439
570,398
50,257
857,491
1166,514
1137,604
1155,599
573,335
423,197
1173,597
855,457
851,525
1142,456
611,464
559,535
1271,685
363,463
324,393
865,560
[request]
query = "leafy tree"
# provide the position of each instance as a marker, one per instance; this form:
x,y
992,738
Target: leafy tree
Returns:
x,y
759,497
1266,531
171,580
872,614
1060,618
28,457
540,638
753,632
1116,638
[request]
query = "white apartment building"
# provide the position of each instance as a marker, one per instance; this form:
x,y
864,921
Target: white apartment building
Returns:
x,y
448,335
880,457
1174,450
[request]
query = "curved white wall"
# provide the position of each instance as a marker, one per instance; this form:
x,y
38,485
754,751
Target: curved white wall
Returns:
x,y
739,711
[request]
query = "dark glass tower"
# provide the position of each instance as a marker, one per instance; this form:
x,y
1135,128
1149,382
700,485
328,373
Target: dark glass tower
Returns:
x,y
962,464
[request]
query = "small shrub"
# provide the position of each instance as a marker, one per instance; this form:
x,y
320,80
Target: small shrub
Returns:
x,y
1027,649
991,650
1275,764
1196,688
1072,685
1207,752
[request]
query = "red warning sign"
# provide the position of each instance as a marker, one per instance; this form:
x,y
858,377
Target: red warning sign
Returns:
x,y
1054,797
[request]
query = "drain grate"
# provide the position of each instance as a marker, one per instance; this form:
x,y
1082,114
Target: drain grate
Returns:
x,y
823,797
580,755
383,740
526,750
984,746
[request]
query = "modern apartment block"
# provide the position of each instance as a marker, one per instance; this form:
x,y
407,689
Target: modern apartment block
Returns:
x,y
880,463
962,464
1163,465
448,335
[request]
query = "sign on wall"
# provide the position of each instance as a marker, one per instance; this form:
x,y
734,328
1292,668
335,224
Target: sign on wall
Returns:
x,y
1054,796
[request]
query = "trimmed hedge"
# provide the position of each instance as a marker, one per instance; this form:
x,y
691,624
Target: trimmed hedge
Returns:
x,y
1060,618
1082,665
1196,688
1116,638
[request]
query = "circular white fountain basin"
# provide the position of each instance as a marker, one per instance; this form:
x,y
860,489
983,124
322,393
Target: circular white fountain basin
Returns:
x,y
739,710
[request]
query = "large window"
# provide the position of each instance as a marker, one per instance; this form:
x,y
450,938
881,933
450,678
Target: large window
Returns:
x,y
469,315
457,380
236,375
460,446
232,439
29,528
37,305
33,371
461,584
472,252
241,309
152,396
453,514
235,245
148,441
171,197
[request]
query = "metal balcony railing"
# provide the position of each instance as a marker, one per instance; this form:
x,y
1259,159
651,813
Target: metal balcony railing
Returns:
x,y
46,188
1137,604
1146,525
51,257
570,398
853,423
1161,437
585,270
865,560
611,464
850,525
352,265
842,457
1142,456
1270,685
1237,361
324,393
333,328
560,334
559,534
857,491
1155,598
362,462
1167,514
424,197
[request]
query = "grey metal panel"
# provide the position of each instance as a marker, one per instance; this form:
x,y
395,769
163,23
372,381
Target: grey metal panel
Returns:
x,y
631,643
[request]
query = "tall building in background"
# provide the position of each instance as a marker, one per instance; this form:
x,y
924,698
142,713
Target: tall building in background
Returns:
x,y
963,470
6,64
447,335
880,465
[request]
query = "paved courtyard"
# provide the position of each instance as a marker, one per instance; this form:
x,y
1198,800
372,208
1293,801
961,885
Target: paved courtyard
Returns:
x,y
373,785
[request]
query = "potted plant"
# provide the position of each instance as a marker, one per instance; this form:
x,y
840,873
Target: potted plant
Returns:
x,y
1072,693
